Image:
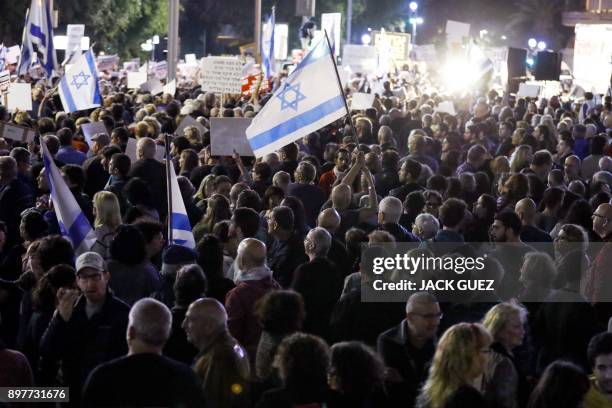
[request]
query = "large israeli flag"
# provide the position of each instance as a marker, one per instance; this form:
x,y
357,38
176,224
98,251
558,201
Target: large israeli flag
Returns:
x,y
267,46
39,33
181,228
309,99
72,221
79,88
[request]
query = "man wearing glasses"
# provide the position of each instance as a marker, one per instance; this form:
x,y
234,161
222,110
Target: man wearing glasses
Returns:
x,y
408,348
88,327
599,281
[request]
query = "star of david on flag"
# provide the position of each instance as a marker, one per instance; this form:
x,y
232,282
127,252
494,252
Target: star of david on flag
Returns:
x,y
80,79
78,88
310,99
290,96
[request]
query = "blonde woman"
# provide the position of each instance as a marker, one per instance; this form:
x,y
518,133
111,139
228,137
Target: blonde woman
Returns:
x,y
204,191
500,382
218,209
108,218
461,358
521,158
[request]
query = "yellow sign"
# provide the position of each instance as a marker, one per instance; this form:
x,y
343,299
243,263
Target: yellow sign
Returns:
x,y
398,44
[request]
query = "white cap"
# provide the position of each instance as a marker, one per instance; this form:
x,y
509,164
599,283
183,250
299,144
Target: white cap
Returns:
x,y
90,260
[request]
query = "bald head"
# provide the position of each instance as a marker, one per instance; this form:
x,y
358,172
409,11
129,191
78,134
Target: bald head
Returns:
x,y
341,196
251,254
209,309
526,210
329,219
145,148
204,318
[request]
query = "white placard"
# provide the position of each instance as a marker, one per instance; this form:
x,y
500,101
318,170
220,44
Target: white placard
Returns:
x,y
170,87
362,101
446,107
131,66
189,121
135,79
17,133
5,81
427,53
107,62
456,31
222,75
12,54
91,129
332,23
19,96
528,91
228,135
75,33
154,86
592,51
190,59
360,58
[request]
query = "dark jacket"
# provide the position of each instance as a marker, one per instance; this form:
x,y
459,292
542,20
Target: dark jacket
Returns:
x,y
320,284
178,347
142,380
133,282
82,343
409,362
284,257
95,175
311,196
154,173
14,198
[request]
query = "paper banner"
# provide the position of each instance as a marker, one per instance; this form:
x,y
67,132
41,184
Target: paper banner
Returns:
x,y
228,135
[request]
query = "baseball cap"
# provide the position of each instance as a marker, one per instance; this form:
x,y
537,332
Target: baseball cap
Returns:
x,y
89,260
101,138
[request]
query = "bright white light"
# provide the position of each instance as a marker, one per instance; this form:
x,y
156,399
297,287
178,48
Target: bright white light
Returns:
x,y
412,20
530,61
60,42
485,32
156,39
419,20
366,39
459,75
148,47
503,37
532,43
541,46
414,6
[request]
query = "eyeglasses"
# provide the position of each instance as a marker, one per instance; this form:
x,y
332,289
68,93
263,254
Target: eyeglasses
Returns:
x,y
595,215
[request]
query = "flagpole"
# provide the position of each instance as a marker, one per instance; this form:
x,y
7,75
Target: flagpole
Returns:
x,y
348,112
23,39
169,188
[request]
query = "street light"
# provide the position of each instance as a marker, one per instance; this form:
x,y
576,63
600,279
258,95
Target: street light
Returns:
x,y
541,45
532,43
413,6
366,39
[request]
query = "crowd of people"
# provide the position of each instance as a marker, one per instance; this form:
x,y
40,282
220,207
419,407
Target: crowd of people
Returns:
x,y
266,311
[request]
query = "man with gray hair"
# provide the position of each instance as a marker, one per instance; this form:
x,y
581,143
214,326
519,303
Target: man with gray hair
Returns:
x,y
390,210
408,348
426,227
319,282
305,190
160,381
153,172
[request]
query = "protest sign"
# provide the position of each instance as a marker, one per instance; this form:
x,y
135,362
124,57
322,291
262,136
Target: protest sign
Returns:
x,y
17,133
159,69
131,66
528,91
19,96
398,43
360,58
222,75
190,59
456,31
427,53
228,135
5,81
154,86
107,62
91,129
189,121
170,87
12,54
74,32
135,79
446,107
362,101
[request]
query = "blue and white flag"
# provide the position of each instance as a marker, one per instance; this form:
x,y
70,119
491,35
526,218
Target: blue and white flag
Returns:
x,y
79,89
2,56
26,56
72,221
181,228
39,33
267,46
309,99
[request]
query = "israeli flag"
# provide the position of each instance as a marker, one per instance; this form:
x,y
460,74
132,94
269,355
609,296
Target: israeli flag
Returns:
x,y
181,228
72,222
79,89
309,99
25,58
39,33
267,46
